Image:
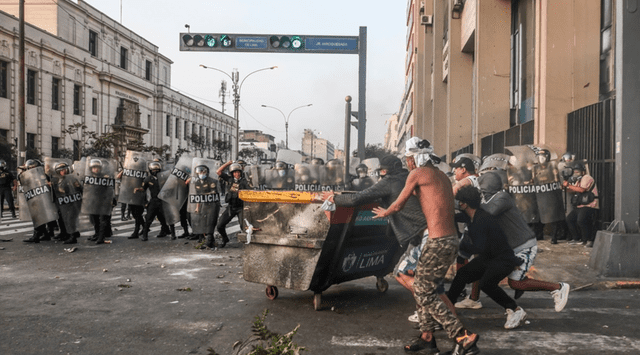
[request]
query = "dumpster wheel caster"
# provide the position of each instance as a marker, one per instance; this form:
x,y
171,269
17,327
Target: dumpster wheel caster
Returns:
x,y
382,285
317,301
272,292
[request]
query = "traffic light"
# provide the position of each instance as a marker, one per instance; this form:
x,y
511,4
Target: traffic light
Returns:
x,y
205,41
286,42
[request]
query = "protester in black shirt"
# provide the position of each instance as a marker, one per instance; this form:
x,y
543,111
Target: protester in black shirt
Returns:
x,y
494,258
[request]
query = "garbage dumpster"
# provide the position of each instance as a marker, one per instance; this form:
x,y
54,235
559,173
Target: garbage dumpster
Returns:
x,y
297,245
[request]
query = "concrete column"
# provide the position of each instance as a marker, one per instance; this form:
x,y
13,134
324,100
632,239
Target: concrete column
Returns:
x,y
616,251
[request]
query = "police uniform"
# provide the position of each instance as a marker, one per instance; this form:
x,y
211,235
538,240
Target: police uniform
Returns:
x,y
6,193
154,207
234,204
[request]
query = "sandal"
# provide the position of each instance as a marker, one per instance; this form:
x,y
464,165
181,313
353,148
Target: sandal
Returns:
x,y
420,344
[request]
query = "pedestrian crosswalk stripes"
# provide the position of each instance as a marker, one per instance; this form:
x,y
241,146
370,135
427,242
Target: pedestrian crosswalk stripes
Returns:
x,y
15,227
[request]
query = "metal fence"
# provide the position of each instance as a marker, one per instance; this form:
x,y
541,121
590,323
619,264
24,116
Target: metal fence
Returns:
x,y
591,136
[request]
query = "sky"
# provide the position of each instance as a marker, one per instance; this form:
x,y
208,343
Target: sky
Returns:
x,y
323,80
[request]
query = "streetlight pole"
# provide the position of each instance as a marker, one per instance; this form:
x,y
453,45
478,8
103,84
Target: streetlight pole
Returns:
x,y
286,120
235,77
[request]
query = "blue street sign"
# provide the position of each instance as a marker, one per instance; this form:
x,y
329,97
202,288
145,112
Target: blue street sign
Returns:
x,y
251,42
333,44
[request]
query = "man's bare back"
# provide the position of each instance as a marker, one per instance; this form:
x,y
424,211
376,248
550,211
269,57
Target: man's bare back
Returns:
x,y
435,194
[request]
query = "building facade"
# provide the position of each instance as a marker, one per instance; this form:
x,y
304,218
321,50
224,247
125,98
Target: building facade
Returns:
x,y
485,75
315,147
82,67
259,140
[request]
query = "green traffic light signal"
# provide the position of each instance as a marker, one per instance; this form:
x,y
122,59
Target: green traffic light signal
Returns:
x,y
210,41
296,42
225,41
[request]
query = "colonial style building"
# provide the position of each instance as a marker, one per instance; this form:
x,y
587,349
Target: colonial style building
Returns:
x,y
83,67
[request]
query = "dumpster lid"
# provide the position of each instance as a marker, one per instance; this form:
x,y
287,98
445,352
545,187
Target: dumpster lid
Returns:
x,y
278,196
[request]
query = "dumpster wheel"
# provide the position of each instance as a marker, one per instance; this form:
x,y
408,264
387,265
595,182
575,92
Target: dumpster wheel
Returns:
x,y
382,285
317,301
272,292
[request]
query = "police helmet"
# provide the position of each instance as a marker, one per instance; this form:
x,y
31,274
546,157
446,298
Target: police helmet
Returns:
x,y
32,163
362,168
280,165
544,152
317,161
202,169
235,167
155,166
568,157
3,164
61,167
95,163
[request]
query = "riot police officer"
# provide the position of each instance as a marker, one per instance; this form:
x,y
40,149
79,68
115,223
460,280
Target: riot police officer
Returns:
x,y
236,182
154,207
8,184
103,186
280,178
68,195
204,204
363,181
41,232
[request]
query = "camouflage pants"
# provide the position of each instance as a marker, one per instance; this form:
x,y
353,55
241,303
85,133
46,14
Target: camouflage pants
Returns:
x,y
438,254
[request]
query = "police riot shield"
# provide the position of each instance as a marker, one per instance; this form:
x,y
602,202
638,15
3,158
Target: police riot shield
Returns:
x,y
256,176
99,186
50,165
171,210
68,198
498,161
334,176
175,191
289,156
133,174
22,204
373,164
548,185
38,196
521,185
278,178
204,198
307,177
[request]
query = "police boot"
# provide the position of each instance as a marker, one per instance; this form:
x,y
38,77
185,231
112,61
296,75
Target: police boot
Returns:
x,y
35,238
163,232
73,239
145,234
173,232
136,230
210,242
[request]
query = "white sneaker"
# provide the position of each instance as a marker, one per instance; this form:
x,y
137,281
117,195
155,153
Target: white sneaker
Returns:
x,y
561,296
414,318
469,303
515,319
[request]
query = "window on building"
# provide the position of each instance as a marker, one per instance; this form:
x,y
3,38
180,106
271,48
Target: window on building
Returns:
x,y
607,67
31,141
4,135
123,57
94,106
76,99
177,127
93,43
168,126
76,149
194,129
148,121
31,87
4,75
55,94
147,70
522,63
186,130
55,145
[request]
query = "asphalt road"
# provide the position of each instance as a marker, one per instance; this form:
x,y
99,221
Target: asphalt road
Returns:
x,y
124,298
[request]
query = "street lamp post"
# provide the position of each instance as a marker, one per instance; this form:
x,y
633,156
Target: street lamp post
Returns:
x,y
286,120
235,77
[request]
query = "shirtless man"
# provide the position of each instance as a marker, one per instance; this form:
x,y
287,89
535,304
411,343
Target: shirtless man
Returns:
x,y
433,189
